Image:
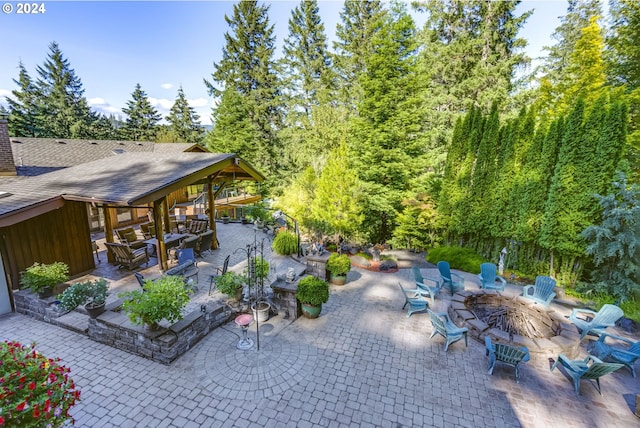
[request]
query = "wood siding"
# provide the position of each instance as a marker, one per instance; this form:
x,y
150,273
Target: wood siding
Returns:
x,y
59,235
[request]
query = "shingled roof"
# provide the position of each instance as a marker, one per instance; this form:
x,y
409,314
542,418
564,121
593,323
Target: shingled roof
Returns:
x,y
131,179
36,156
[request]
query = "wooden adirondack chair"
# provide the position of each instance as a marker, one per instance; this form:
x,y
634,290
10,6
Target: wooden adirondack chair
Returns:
x,y
489,279
625,351
542,291
425,288
416,301
454,281
507,354
598,321
581,369
443,326
125,256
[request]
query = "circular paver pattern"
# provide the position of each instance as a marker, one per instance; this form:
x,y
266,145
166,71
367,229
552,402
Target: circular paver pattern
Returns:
x,y
253,374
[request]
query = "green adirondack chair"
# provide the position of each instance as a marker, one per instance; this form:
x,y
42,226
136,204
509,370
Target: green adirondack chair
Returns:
x,y
507,354
595,322
625,351
443,326
489,279
425,288
581,369
542,291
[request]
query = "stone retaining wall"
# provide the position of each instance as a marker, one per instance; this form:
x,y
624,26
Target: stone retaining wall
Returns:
x,y
563,336
113,328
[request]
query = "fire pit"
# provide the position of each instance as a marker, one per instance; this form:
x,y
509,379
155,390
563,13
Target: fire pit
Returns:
x,y
514,320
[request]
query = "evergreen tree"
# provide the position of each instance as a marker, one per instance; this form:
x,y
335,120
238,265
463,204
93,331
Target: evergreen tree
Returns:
x,y
183,120
142,118
24,107
355,31
103,128
623,55
64,111
248,66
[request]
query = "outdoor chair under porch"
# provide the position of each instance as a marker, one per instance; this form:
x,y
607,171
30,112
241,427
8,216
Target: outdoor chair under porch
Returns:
x,y
126,256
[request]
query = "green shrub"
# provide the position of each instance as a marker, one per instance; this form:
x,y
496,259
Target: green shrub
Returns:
x,y
229,283
464,259
164,298
338,264
89,292
312,291
38,276
285,243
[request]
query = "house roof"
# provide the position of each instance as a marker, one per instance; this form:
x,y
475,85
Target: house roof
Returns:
x,y
131,179
36,156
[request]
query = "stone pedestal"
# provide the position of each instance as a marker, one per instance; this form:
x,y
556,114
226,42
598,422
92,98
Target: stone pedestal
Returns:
x,y
317,265
284,296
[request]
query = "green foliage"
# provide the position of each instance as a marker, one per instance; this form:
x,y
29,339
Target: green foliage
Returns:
x,y
615,242
623,57
285,243
339,264
464,259
93,293
312,290
258,211
38,276
229,283
164,298
37,391
184,121
142,118
260,267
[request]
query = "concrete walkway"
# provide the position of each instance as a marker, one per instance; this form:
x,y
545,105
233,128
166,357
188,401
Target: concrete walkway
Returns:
x,y
362,363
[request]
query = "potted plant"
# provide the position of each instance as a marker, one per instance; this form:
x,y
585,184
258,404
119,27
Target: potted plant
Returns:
x,y
225,217
164,298
260,307
312,293
42,278
231,283
93,294
338,265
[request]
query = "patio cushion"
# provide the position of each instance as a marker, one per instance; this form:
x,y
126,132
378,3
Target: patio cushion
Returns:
x,y
130,236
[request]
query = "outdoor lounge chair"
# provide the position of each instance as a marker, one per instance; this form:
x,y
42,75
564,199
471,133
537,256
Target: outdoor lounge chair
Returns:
x,y
126,256
219,272
204,244
595,322
129,237
416,301
581,369
454,281
542,291
489,279
443,326
197,226
625,351
425,288
507,354
148,230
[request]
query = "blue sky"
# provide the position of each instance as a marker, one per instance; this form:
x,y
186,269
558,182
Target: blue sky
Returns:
x,y
164,44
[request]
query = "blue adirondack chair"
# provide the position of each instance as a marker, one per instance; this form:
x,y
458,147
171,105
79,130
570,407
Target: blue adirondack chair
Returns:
x,y
415,300
489,279
581,369
597,321
424,287
542,291
454,281
507,354
625,351
443,326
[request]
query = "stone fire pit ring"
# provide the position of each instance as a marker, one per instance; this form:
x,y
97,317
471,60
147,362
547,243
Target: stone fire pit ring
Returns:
x,y
566,339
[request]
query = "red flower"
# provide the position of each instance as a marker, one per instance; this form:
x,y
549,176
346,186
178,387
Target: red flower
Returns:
x,y
36,412
32,386
20,407
1,420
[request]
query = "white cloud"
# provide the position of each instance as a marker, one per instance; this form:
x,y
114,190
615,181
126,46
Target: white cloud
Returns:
x,y
101,105
166,85
96,101
4,92
161,103
198,102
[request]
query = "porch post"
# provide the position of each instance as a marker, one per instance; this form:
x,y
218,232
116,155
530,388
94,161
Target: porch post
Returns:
x,y
108,229
212,213
157,219
165,215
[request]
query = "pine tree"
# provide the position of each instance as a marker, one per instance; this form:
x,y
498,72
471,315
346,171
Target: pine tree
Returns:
x,y
64,111
24,107
142,118
623,55
183,120
248,66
